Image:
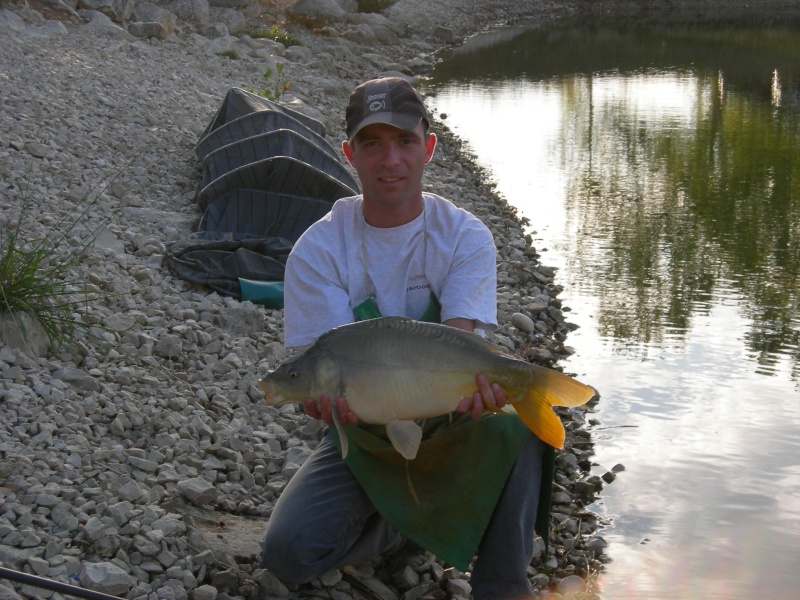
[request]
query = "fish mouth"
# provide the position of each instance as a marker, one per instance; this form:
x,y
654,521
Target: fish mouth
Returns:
x,y
274,398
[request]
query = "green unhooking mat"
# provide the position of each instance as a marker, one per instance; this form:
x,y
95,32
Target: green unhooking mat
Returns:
x,y
442,500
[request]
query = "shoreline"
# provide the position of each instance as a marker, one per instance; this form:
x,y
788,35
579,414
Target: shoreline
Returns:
x,y
143,457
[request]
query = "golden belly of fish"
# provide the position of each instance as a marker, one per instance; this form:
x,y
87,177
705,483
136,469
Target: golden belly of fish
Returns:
x,y
394,371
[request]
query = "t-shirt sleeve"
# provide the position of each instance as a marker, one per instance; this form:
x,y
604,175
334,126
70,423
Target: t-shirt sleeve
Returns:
x,y
469,289
315,300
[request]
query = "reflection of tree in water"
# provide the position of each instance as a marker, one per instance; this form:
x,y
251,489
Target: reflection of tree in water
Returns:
x,y
681,212
748,55
670,219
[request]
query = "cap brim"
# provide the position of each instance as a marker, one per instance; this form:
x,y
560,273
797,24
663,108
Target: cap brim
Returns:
x,y
401,121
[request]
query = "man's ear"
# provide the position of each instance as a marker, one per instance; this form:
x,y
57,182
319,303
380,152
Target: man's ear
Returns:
x,y
430,146
348,151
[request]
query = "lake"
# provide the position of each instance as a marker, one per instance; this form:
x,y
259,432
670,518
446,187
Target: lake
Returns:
x,y
660,173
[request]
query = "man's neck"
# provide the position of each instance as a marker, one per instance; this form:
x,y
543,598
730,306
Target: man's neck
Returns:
x,y
383,216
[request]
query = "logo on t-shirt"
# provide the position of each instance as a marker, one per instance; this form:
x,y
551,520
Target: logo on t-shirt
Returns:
x,y
416,288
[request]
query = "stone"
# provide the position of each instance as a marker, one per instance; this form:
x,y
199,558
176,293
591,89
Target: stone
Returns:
x,y
204,592
571,585
118,11
523,322
100,23
131,491
105,577
609,476
77,378
148,12
315,13
11,22
459,587
169,346
7,593
445,34
19,331
271,586
596,545
198,491
193,11
148,30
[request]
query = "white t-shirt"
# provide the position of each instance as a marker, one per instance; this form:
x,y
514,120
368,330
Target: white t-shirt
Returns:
x,y
340,260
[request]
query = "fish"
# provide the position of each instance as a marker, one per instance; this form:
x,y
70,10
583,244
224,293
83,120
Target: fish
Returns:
x,y
396,371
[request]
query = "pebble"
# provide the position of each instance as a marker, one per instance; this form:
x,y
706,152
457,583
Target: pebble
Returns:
x,y
156,402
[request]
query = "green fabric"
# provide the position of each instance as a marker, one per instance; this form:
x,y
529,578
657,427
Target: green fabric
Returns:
x,y
432,314
443,499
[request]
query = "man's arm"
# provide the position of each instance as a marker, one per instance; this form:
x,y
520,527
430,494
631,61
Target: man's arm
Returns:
x,y
461,323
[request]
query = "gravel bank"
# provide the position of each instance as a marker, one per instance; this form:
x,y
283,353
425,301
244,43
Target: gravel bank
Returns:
x,y
142,461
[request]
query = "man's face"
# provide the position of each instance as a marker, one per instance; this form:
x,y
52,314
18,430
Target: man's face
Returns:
x,y
389,162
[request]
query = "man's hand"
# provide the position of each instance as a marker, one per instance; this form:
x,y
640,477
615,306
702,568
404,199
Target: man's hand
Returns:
x,y
323,410
491,394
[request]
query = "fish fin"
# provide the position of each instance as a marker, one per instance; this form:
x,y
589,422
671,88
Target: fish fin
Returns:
x,y
340,431
550,388
411,489
405,437
559,389
538,415
492,407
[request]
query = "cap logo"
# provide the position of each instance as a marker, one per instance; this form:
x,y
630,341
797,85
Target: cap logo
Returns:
x,y
389,100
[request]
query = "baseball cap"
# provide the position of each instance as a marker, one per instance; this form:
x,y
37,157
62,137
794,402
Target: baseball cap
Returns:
x,y
389,100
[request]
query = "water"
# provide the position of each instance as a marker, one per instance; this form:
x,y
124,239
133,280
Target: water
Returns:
x,y
660,172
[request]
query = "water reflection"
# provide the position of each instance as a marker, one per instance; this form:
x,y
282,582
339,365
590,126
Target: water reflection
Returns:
x,y
660,172
681,164
693,187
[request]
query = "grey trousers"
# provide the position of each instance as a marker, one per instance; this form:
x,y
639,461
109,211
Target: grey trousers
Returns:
x,y
324,520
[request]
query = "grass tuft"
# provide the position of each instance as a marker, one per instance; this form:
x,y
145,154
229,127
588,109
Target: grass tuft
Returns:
x,y
38,275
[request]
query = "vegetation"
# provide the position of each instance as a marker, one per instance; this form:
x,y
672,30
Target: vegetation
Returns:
x,y
276,87
37,275
276,34
232,54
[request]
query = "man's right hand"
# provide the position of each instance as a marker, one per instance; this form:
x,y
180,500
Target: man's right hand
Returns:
x,y
323,409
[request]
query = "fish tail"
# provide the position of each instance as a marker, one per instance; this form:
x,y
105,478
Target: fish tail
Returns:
x,y
550,388
538,415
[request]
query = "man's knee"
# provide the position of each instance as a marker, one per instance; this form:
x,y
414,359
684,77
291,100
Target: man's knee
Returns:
x,y
288,558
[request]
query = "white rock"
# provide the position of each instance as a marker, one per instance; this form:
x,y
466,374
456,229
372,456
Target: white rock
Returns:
x,y
523,322
198,491
105,577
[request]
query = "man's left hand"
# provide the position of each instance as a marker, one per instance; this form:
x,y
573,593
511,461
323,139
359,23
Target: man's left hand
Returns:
x,y
490,394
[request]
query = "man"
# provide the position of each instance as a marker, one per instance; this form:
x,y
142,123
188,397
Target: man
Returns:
x,y
395,250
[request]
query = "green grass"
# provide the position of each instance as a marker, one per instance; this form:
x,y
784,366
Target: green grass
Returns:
x,y
38,275
276,34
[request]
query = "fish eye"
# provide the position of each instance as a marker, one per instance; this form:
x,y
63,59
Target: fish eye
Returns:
x,y
294,374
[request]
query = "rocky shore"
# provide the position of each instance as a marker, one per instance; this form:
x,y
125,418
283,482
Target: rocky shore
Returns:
x,y
141,461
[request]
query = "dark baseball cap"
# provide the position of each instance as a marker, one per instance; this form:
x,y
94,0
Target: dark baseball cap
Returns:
x,y
390,100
